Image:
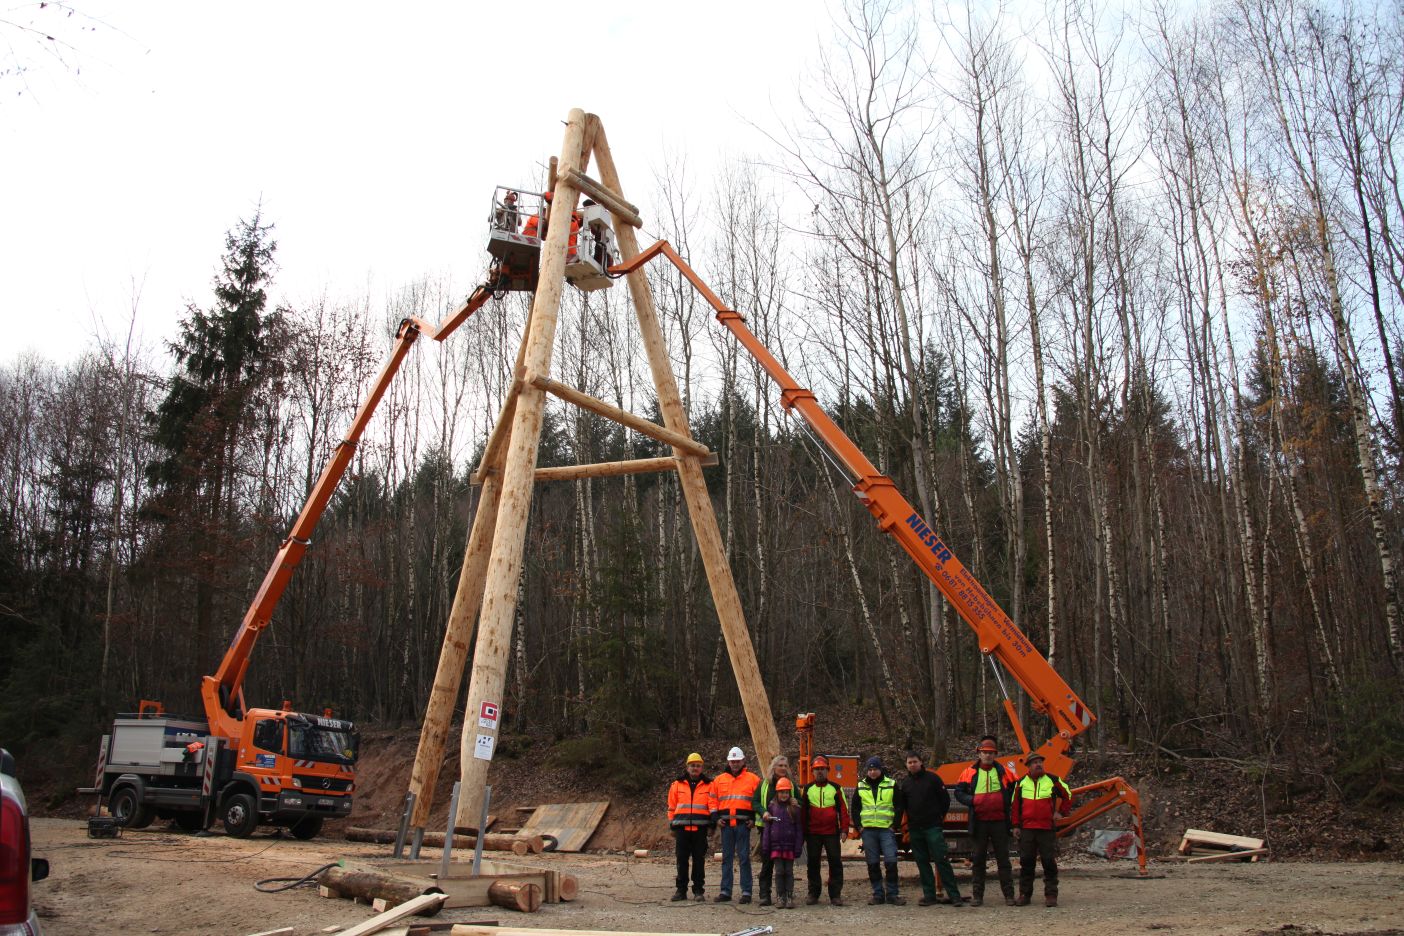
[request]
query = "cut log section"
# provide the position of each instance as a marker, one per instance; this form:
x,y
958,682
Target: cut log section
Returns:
x,y
377,886
515,895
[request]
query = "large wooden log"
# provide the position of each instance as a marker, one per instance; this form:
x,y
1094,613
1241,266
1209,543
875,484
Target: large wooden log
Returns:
x,y
517,845
493,646
615,202
699,505
678,440
514,895
376,885
612,469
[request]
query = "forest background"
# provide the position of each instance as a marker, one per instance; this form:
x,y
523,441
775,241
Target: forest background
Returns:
x,y
1115,299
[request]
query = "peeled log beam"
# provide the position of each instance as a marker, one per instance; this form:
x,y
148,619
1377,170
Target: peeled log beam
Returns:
x,y
523,897
612,200
610,469
373,885
516,844
472,929
637,423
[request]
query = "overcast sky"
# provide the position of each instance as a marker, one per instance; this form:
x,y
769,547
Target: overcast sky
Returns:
x,y
373,133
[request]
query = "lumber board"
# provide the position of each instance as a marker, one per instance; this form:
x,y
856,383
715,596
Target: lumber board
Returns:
x,y
384,920
1201,837
1251,855
282,931
571,824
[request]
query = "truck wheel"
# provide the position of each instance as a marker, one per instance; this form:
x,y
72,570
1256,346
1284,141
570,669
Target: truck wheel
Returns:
x,y
306,828
240,815
129,811
190,821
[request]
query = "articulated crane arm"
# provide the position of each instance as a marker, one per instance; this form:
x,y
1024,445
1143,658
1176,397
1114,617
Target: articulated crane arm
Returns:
x,y
999,637
222,693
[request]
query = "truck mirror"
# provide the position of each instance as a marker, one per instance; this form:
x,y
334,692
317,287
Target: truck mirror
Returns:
x,y
38,869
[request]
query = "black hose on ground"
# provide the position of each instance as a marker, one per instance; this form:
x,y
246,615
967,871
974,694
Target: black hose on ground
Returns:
x,y
289,883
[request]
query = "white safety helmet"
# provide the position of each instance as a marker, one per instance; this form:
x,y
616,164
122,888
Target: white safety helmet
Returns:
x,y
735,754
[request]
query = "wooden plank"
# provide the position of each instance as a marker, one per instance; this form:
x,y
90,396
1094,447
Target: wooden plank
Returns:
x,y
1251,855
571,824
384,920
285,931
468,929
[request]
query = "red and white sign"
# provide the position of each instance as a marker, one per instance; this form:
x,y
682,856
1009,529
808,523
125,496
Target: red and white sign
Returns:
x,y
488,715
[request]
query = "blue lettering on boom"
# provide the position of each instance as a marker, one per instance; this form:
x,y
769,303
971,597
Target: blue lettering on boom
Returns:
x,y
928,538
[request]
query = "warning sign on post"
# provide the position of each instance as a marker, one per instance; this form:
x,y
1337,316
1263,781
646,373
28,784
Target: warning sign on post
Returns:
x,y
482,750
487,716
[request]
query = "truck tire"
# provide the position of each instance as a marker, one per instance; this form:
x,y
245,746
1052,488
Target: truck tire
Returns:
x,y
190,821
128,809
240,815
306,827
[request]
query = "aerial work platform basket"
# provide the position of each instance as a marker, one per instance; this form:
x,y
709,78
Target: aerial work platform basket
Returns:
x,y
517,225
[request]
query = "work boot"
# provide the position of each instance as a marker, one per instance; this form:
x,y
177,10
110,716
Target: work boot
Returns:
x,y
957,901
1023,900
721,898
1009,900
699,896
897,901
874,900
811,900
836,901
977,901
1050,900
765,900
679,895
745,899
926,901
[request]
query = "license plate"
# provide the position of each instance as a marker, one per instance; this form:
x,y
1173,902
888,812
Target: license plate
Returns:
x,y
326,802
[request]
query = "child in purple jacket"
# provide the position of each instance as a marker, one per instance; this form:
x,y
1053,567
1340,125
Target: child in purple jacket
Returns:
x,y
782,840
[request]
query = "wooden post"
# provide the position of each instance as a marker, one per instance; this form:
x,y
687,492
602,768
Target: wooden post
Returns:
x,y
467,600
699,505
493,646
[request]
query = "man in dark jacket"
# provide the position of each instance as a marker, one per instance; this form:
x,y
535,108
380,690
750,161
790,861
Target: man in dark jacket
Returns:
x,y
824,815
1040,800
986,787
926,803
876,810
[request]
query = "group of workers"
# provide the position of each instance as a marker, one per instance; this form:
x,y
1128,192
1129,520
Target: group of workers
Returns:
x,y
507,217
812,819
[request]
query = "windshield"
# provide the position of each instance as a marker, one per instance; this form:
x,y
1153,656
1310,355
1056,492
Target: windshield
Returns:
x,y
322,744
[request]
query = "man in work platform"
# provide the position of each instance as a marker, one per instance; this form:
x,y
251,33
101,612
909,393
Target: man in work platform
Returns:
x,y
986,788
823,816
1040,800
690,806
779,767
877,803
734,793
926,802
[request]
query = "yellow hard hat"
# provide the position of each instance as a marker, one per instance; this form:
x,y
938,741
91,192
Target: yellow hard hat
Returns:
x,y
694,758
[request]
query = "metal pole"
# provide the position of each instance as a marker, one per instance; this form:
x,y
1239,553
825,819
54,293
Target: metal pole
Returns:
x,y
482,832
448,834
404,824
417,841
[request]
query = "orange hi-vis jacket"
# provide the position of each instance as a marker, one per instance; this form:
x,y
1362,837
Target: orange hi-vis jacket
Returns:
x,y
734,794
690,805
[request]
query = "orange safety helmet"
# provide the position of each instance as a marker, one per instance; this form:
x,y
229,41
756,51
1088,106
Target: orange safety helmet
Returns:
x,y
783,784
547,196
988,746
820,761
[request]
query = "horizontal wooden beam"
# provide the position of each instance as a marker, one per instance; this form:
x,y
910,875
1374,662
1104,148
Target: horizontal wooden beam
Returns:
x,y
611,469
640,425
608,197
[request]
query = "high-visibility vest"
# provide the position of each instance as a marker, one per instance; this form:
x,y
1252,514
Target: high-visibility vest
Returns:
x,y
690,806
1045,787
878,812
735,795
823,797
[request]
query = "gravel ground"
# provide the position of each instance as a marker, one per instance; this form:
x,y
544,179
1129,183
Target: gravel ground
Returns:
x,y
159,881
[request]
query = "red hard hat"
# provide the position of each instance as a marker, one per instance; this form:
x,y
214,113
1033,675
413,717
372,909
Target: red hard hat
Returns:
x,y
820,761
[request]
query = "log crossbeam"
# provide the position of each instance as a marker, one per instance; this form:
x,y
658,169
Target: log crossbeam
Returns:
x,y
611,199
607,469
677,440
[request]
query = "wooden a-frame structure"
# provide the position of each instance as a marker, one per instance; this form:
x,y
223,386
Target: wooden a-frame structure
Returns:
x,y
492,564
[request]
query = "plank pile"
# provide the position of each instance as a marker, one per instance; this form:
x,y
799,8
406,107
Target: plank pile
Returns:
x,y
1216,846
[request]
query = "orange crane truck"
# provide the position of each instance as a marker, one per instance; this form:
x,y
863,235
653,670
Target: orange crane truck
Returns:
x,y
1000,638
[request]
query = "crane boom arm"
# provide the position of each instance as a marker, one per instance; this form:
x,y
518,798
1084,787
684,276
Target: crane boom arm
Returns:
x,y
222,693
999,636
